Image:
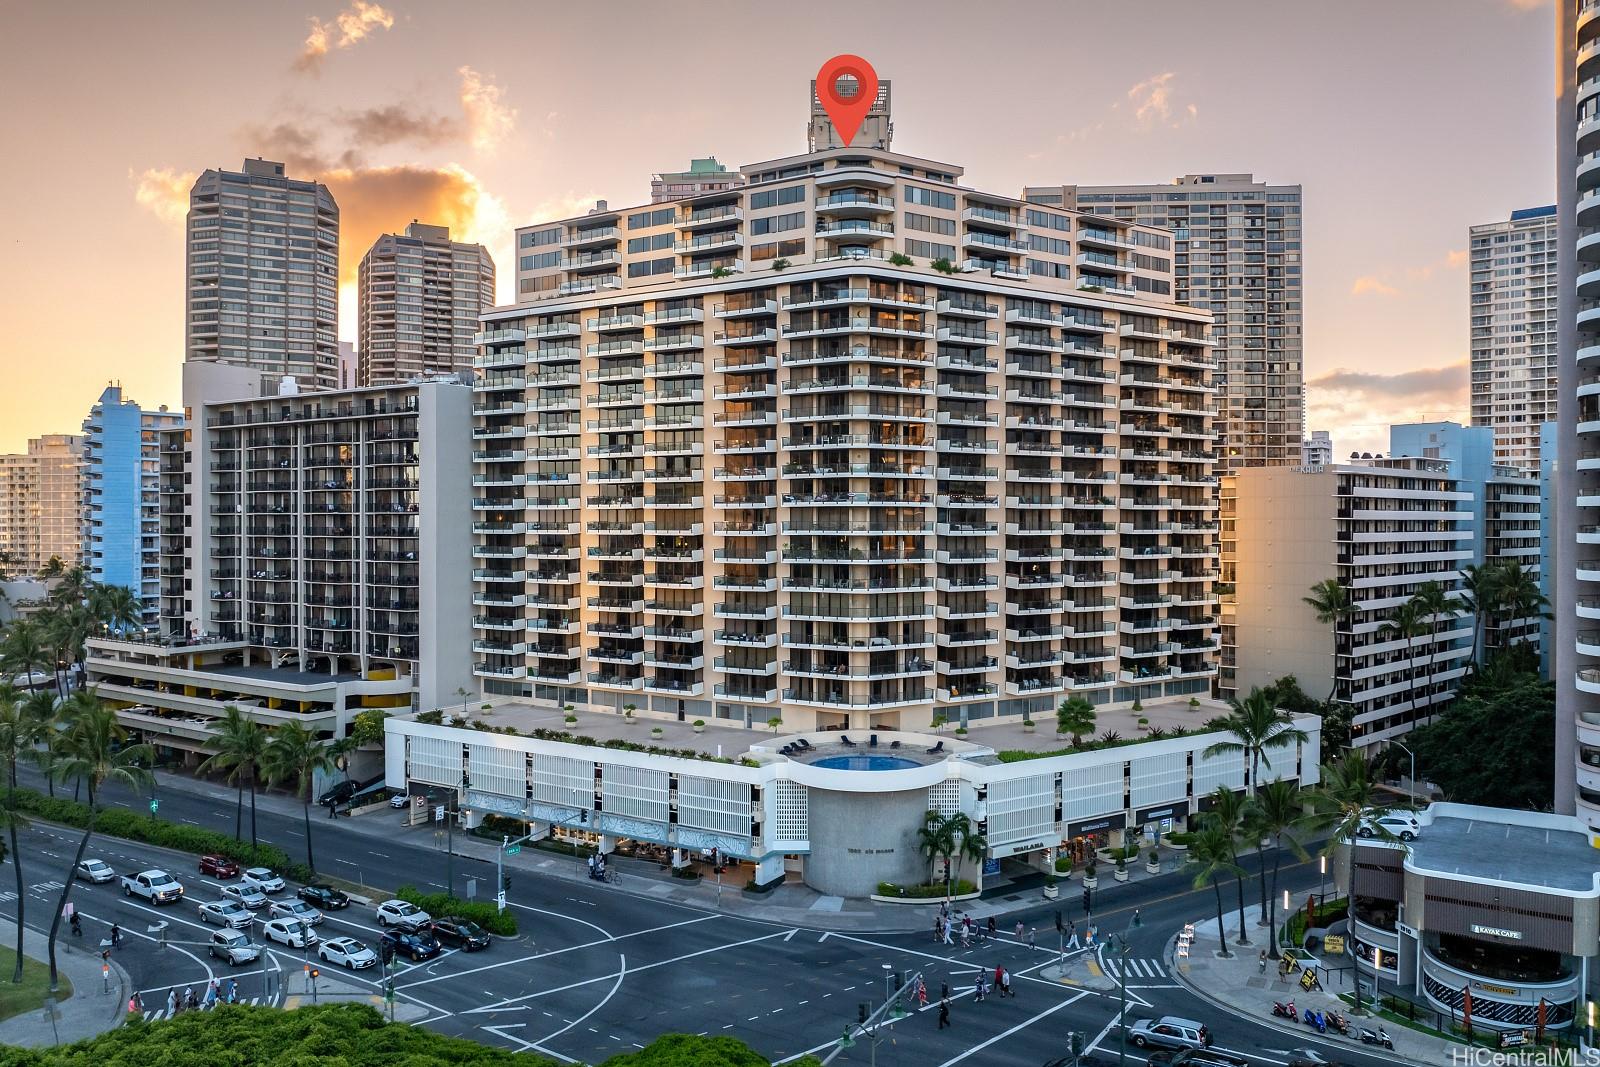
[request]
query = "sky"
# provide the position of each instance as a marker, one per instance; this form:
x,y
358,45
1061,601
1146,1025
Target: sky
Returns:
x,y
1406,121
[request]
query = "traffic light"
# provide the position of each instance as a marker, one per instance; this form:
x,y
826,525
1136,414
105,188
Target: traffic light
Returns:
x,y
1060,926
1088,900
315,974
385,952
1076,1043
1137,922
505,883
861,1013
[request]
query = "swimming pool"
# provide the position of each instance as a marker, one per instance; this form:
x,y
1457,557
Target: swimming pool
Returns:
x,y
866,763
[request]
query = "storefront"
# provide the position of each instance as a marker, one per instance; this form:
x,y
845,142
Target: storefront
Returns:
x,y
1160,821
1086,837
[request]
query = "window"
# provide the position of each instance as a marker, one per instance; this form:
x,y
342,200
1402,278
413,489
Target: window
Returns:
x,y
541,237
540,261
1046,269
915,194
778,223
930,250
795,246
930,223
645,268
653,243
1151,240
644,219
1049,221
1144,262
1053,245
793,194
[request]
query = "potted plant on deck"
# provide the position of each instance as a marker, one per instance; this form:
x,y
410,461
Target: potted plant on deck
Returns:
x,y
1089,879
1121,873
1051,890
1152,862
627,712
699,726
655,733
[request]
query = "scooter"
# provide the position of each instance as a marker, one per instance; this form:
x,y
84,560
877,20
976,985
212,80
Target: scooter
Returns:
x,y
1380,1037
1285,1011
1339,1023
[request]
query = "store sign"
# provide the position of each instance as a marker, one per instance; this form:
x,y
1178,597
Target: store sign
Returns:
x,y
1496,931
1165,811
1013,850
1091,826
1504,991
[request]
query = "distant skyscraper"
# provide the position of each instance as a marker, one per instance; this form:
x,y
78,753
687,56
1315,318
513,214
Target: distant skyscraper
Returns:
x,y
349,365
262,285
1513,293
877,128
703,176
40,497
1317,450
121,494
420,295
1237,254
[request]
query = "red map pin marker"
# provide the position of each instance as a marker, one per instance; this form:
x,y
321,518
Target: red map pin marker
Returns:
x,y
847,111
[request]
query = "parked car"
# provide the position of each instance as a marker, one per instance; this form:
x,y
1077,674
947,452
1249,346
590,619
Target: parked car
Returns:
x,y
232,947
226,913
294,908
454,930
1169,1031
1197,1057
248,895
157,887
399,800
340,793
96,871
418,945
219,867
323,896
263,878
405,916
347,952
1401,824
292,932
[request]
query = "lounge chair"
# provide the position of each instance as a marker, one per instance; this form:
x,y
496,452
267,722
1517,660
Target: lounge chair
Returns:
x,y
805,746
936,749
873,741
894,744
844,740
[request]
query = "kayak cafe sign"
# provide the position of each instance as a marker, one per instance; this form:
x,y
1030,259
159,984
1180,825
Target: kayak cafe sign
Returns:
x,y
1497,931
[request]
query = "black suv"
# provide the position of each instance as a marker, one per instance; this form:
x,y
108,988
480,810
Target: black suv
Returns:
x,y
453,930
1197,1057
324,897
419,946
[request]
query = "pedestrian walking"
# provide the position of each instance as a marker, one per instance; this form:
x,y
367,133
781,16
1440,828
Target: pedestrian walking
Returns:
x,y
116,935
1032,930
978,987
1072,936
999,976
938,928
922,993
172,1001
993,927
190,1001
211,996
233,991
966,924
135,1005
1262,967
1019,929
947,939
1005,984
77,925
944,1012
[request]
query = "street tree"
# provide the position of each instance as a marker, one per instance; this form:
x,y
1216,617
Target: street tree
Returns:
x,y
241,743
1257,725
293,753
1210,861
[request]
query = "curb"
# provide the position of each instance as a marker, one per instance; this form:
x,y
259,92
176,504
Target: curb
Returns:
x,y
1170,958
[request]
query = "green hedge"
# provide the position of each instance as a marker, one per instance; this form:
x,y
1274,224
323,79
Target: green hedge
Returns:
x,y
119,822
442,904
924,892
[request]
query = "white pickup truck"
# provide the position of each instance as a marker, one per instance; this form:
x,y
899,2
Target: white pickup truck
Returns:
x,y
158,887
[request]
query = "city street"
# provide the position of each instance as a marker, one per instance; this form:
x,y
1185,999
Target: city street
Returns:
x,y
599,969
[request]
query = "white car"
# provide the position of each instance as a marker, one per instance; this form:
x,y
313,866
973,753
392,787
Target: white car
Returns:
x,y
226,913
347,952
248,895
291,932
295,909
405,916
263,878
1401,824
96,871
232,946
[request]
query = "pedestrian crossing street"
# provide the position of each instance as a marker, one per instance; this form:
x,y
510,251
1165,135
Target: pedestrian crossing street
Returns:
x,y
156,1014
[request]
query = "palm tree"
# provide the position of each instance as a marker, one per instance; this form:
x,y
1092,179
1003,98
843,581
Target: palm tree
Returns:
x,y
934,840
1347,795
74,587
13,742
1075,716
1433,603
293,752
1520,595
24,651
241,743
1331,602
116,607
1274,813
1407,624
42,734
92,754
53,568
1211,859
1480,592
1227,814
1257,724
949,837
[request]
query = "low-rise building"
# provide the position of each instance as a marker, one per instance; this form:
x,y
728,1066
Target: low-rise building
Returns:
x,y
1499,905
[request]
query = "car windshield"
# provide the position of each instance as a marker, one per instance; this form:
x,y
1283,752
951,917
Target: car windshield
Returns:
x,y
469,928
403,908
157,879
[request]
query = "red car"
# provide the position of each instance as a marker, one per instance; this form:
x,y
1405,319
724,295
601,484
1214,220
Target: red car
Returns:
x,y
219,867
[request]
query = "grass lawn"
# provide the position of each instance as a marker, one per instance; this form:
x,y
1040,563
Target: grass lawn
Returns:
x,y
30,993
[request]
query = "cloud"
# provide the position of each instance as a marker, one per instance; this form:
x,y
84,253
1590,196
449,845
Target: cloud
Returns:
x,y
354,23
1367,283
1153,104
378,127
1360,406
164,192
1528,5
489,120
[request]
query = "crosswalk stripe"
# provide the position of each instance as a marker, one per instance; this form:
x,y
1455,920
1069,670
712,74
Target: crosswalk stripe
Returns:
x,y
156,1014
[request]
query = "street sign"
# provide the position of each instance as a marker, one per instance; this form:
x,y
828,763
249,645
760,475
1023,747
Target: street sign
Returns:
x,y
500,901
472,889
155,805
512,850
438,813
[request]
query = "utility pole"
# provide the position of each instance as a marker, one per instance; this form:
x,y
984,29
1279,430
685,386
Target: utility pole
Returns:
x,y
1120,940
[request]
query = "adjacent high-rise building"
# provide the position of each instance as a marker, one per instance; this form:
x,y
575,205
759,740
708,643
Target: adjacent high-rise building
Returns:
x,y
420,296
1513,294
262,273
1317,450
876,130
121,494
1237,254
1577,474
703,176
854,445
41,496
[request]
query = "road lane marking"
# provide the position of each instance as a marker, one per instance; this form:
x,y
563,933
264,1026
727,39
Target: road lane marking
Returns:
x,y
1019,1027
622,972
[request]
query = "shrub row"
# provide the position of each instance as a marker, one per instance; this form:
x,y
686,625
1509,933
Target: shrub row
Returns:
x,y
959,888
442,904
117,822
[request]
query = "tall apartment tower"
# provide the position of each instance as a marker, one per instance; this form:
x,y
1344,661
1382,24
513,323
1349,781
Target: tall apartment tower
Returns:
x,y
1317,449
121,495
1237,248
752,454
1577,474
1514,331
41,494
262,278
877,127
703,176
420,297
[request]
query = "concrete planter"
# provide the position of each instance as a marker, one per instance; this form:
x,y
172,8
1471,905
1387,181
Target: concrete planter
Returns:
x,y
1152,867
699,728
1091,882
1051,892
1120,874
1028,728
656,733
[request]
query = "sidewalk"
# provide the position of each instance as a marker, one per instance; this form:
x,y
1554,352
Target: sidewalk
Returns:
x,y
792,904
87,1013
1237,986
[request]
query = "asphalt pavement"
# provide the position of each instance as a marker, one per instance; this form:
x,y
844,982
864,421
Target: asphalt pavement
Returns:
x,y
599,969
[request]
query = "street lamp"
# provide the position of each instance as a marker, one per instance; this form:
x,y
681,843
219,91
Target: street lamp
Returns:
x,y
1322,892
1121,939
1412,785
